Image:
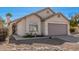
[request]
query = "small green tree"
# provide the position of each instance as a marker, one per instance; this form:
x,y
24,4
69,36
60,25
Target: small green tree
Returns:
x,y
73,23
9,14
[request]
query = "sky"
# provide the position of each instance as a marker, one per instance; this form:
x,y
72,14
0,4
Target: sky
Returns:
x,y
18,12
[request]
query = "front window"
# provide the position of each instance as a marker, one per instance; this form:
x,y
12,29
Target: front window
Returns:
x,y
33,28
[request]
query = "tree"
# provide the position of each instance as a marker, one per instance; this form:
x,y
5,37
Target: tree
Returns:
x,y
8,20
9,14
73,23
74,20
3,21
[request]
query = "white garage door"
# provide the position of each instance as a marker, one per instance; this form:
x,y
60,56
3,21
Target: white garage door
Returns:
x,y
57,29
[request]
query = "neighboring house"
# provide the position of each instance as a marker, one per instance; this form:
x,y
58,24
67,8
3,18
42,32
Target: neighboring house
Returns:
x,y
44,22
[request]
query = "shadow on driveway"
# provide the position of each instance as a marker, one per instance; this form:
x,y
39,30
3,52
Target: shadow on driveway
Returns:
x,y
54,41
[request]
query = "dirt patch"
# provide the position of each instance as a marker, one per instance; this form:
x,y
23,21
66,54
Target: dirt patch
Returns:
x,y
40,47
27,47
70,46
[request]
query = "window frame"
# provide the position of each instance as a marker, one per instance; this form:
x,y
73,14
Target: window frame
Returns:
x,y
31,27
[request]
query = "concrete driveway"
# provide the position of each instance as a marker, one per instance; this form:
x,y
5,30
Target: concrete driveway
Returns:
x,y
41,40
69,38
75,35
57,40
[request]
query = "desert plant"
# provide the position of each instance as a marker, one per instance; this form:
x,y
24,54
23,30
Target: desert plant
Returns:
x,y
72,30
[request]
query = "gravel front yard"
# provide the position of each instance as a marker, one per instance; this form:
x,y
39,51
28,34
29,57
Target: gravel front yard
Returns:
x,y
39,47
27,47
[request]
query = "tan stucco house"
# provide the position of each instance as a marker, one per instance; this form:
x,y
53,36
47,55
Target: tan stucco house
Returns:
x,y
44,22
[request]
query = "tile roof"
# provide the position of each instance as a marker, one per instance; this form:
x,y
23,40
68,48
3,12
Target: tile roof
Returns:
x,y
18,20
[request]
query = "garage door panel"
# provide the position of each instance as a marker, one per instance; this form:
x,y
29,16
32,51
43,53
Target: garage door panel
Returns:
x,y
57,29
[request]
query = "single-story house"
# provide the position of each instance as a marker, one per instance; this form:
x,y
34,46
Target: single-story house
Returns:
x,y
44,22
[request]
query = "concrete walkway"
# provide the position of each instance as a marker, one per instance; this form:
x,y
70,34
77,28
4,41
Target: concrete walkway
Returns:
x,y
21,38
44,40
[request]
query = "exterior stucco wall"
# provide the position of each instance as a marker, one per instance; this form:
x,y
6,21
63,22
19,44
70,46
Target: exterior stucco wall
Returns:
x,y
21,28
33,19
68,28
42,27
45,13
55,20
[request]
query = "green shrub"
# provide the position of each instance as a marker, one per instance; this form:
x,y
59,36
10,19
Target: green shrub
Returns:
x,y
73,23
31,35
28,36
72,30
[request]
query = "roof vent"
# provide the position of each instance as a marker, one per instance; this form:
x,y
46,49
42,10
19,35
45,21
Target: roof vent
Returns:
x,y
58,15
47,11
